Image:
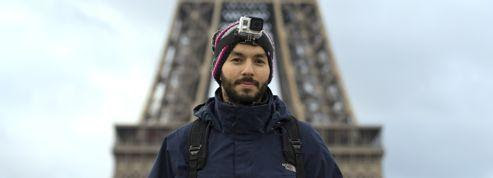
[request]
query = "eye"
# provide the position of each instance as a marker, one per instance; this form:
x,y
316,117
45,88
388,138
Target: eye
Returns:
x,y
259,61
235,60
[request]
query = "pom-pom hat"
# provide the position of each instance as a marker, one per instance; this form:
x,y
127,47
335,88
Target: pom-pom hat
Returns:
x,y
224,40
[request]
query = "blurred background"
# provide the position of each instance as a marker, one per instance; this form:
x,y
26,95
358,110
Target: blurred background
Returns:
x,y
71,69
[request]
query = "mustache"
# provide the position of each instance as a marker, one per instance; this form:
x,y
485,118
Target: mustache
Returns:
x,y
246,79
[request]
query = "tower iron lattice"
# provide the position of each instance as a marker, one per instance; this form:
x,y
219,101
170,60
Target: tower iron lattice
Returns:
x,y
309,83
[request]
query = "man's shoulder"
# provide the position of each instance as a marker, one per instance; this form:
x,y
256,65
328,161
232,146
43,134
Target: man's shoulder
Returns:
x,y
310,137
179,136
307,129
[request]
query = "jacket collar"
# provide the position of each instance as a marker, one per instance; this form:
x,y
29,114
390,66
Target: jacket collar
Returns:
x,y
239,119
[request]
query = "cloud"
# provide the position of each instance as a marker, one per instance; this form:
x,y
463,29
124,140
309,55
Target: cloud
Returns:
x,y
69,72
422,69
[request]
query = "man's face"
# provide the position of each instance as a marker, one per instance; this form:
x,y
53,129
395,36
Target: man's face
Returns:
x,y
244,74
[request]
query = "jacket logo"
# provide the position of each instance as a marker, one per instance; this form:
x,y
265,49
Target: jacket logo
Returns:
x,y
289,167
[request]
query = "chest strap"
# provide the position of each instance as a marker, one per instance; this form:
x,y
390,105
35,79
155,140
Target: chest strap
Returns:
x,y
291,146
197,150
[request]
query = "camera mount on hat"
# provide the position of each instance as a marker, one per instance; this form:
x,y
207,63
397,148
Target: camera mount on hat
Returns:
x,y
250,28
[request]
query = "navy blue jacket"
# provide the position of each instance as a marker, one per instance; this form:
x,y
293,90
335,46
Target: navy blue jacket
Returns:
x,y
243,144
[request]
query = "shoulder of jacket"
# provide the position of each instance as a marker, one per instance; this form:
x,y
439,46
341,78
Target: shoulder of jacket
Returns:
x,y
310,136
179,136
306,128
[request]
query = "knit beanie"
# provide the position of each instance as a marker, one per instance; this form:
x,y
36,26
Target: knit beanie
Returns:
x,y
224,40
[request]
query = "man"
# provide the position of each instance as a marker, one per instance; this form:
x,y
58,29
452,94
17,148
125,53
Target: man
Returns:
x,y
249,131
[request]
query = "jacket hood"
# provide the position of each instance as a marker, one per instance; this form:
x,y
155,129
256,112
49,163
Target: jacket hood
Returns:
x,y
240,119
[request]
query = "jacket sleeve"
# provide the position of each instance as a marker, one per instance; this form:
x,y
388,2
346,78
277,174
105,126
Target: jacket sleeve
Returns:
x,y
162,165
317,157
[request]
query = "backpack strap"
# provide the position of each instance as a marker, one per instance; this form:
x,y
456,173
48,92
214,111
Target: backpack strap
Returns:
x,y
197,151
291,146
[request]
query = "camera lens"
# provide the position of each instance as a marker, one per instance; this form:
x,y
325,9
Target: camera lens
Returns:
x,y
256,24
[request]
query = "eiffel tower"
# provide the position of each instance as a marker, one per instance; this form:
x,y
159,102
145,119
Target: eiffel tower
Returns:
x,y
305,70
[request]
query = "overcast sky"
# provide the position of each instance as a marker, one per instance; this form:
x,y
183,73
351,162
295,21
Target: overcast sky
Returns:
x,y
70,70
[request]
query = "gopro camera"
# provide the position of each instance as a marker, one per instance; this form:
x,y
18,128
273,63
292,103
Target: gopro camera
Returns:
x,y
250,27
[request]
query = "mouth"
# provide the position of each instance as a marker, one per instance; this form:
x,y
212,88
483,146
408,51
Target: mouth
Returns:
x,y
247,83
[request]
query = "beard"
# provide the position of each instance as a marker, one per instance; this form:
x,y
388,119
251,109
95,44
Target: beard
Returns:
x,y
244,99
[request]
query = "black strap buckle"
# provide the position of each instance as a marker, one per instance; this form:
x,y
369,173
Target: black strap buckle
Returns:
x,y
194,149
296,143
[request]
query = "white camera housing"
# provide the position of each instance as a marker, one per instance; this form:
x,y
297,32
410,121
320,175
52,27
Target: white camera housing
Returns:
x,y
250,27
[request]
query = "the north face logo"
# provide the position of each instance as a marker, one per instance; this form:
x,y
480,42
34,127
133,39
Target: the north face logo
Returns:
x,y
289,167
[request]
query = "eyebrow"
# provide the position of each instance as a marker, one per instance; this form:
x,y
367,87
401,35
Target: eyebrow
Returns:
x,y
260,56
234,53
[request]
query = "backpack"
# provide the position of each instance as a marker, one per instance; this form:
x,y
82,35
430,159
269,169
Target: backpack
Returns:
x,y
198,141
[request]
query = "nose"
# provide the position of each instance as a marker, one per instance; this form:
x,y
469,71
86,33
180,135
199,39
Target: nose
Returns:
x,y
248,69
